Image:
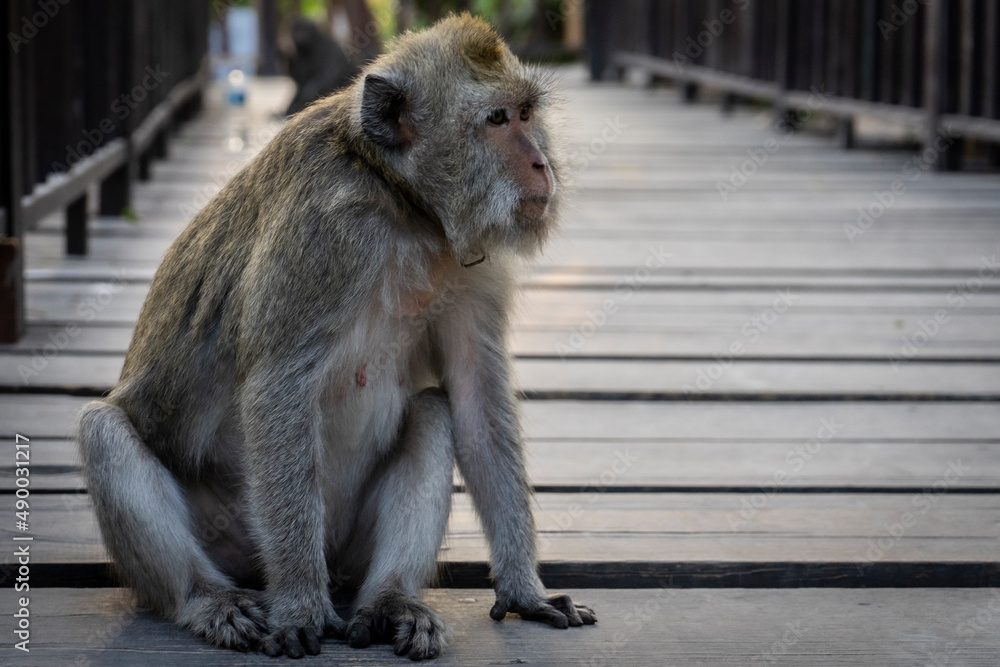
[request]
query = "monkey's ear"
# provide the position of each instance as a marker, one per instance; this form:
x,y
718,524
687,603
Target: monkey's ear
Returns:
x,y
384,116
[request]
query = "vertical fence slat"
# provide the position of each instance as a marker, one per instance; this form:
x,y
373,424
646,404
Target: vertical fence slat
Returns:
x,y
938,97
598,34
59,88
991,56
967,46
76,227
909,69
11,183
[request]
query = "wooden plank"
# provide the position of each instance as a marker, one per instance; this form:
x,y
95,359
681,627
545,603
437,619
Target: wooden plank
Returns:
x,y
813,338
46,416
841,537
729,376
701,180
688,219
745,466
726,376
727,421
64,294
38,416
817,338
629,301
949,254
807,627
54,466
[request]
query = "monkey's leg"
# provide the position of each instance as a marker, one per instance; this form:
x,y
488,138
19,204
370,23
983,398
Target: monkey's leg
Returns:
x,y
407,511
146,524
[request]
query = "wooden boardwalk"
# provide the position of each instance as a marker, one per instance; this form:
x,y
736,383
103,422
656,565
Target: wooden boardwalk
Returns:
x,y
760,431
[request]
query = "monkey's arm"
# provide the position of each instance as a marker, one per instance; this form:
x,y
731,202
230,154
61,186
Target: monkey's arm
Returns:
x,y
282,353
472,340
283,493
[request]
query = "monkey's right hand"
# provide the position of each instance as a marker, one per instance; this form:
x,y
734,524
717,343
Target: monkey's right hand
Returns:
x,y
297,640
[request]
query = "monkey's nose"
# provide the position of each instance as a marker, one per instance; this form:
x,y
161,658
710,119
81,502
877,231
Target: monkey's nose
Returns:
x,y
541,177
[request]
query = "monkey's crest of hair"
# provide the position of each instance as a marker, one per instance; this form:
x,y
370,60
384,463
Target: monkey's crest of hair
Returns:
x,y
435,90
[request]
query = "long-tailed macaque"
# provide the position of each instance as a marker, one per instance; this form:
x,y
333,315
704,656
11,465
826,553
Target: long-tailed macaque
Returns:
x,y
320,347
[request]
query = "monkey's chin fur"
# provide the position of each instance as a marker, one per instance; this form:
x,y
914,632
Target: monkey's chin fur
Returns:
x,y
533,208
509,223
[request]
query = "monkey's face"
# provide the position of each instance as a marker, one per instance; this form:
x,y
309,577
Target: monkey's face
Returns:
x,y
519,179
462,122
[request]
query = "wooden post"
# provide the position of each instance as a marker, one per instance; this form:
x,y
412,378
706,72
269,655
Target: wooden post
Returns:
x,y
11,185
76,226
845,132
160,149
115,191
748,47
936,86
267,22
688,91
783,58
573,26
598,38
727,103
145,162
869,50
991,68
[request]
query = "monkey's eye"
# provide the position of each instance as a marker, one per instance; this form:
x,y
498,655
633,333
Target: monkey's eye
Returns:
x,y
525,112
498,117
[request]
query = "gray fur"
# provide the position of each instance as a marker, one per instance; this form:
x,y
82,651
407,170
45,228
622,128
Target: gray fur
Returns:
x,y
313,358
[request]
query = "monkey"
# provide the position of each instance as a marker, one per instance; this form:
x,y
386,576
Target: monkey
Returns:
x,y
319,349
318,65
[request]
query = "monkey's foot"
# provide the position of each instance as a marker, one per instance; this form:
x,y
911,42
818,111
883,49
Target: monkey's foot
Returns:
x,y
228,617
558,611
295,641
414,628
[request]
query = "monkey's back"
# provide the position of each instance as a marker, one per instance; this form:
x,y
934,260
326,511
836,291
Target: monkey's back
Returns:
x,y
228,289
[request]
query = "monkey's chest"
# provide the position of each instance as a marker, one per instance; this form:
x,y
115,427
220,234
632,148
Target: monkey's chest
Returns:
x,y
371,379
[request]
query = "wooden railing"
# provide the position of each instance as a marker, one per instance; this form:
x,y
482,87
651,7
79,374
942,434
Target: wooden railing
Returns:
x,y
934,64
89,92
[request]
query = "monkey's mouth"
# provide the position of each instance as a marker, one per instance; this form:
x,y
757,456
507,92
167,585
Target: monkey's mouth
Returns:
x,y
533,207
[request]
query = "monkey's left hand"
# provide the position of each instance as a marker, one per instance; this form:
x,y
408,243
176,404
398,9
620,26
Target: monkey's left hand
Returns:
x,y
558,611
